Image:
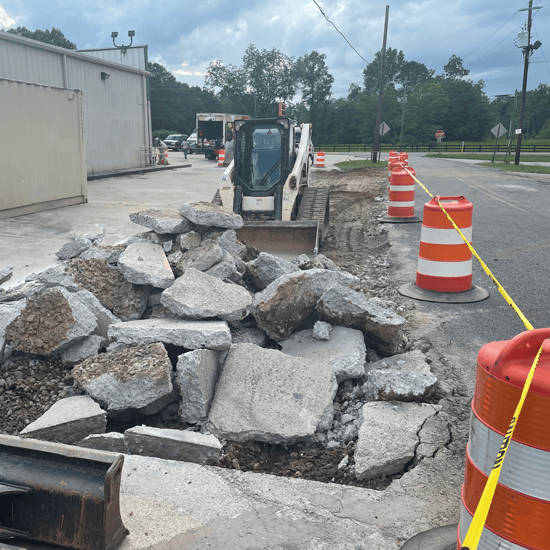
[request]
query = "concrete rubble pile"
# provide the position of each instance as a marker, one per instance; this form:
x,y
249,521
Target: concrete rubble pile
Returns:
x,y
185,325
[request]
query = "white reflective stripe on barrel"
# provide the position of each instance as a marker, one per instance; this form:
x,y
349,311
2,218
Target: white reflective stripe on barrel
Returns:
x,y
488,540
402,188
444,236
444,269
526,469
397,204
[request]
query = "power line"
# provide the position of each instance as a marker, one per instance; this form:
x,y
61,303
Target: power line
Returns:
x,y
494,47
326,17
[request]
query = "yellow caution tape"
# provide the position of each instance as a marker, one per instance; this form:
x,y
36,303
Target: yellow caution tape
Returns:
x,y
471,540
505,295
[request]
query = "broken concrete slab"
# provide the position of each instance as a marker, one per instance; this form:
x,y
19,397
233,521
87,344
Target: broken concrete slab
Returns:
x,y
181,445
248,335
227,240
108,285
127,379
94,233
112,442
267,268
87,347
6,274
286,302
377,453
162,220
201,258
68,421
74,248
345,352
187,241
58,275
211,215
103,316
197,376
321,330
265,395
9,311
51,321
342,306
435,433
166,241
225,269
213,335
146,264
319,262
196,295
403,377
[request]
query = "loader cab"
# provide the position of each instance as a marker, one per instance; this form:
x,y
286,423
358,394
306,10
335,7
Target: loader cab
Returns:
x,y
264,155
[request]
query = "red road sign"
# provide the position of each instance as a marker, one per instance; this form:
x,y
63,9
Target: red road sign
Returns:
x,y
440,134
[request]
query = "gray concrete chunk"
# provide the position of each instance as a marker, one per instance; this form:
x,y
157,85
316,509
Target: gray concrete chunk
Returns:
x,y
8,312
265,395
113,442
208,214
74,248
201,258
6,274
321,330
187,241
227,240
162,220
341,306
197,376
196,295
224,269
403,377
146,264
89,346
185,446
94,233
345,352
58,275
378,452
68,421
286,302
103,316
51,321
128,379
188,334
267,268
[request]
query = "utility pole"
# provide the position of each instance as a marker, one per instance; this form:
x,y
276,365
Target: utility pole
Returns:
x,y
374,155
527,51
403,113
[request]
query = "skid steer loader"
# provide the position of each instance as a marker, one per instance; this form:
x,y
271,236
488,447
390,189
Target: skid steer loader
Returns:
x,y
267,184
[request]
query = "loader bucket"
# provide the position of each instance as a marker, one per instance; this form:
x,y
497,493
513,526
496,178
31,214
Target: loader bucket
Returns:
x,y
59,494
282,238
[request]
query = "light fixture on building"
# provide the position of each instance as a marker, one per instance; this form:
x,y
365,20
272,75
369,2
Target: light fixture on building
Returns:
x,y
123,49
104,76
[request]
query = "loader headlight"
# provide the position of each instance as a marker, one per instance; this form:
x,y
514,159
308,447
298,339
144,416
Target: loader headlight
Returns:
x,y
292,182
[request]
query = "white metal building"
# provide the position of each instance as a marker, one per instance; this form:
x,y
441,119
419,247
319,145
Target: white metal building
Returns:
x,y
116,110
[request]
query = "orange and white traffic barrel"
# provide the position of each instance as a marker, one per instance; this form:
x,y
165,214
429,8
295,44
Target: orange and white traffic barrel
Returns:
x,y
401,197
320,162
444,272
403,159
519,516
392,163
392,159
221,157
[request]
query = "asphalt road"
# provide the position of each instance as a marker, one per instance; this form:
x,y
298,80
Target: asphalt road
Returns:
x,y
510,233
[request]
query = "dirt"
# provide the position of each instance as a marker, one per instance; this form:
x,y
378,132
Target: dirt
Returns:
x,y
358,243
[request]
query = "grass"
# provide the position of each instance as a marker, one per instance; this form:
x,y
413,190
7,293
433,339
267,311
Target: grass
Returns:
x,y
349,164
488,156
522,168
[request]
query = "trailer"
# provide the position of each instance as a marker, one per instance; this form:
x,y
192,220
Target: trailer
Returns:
x,y
212,131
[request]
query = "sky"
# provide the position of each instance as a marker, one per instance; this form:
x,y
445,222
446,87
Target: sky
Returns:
x,y
186,36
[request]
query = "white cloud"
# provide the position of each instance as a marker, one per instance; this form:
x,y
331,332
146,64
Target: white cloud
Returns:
x,y
5,19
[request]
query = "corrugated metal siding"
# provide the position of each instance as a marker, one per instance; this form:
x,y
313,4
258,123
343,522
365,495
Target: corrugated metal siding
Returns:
x,y
115,120
134,56
37,171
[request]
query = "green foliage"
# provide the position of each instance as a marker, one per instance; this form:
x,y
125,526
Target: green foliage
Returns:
x,y
54,37
455,69
163,134
351,164
265,78
545,131
175,104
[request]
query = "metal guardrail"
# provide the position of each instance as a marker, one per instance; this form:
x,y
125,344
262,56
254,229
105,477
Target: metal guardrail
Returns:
x,y
467,148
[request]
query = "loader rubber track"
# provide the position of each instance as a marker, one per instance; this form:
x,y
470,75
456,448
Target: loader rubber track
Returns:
x,y
315,207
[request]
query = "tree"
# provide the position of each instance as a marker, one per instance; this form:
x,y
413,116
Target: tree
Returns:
x,y
455,69
265,78
414,72
316,83
427,105
54,37
393,63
